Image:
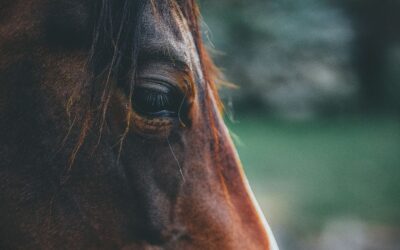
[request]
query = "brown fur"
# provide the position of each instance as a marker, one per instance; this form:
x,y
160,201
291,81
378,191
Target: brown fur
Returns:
x,y
79,167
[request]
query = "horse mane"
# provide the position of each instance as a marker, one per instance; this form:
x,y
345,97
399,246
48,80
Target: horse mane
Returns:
x,y
117,30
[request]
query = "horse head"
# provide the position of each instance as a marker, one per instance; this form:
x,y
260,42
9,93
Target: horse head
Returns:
x,y
111,131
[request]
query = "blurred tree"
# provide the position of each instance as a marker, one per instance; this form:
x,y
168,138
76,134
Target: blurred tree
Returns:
x,y
310,56
377,30
289,57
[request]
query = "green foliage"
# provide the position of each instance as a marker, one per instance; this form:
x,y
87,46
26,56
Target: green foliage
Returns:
x,y
321,169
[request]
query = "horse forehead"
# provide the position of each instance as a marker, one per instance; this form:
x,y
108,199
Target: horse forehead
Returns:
x,y
166,30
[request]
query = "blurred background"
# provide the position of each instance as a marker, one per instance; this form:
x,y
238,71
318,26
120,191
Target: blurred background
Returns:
x,y
315,115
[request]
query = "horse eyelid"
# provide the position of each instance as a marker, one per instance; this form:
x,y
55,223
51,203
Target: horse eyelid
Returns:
x,y
181,81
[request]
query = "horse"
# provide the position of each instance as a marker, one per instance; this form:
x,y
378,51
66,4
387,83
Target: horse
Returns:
x,y
112,134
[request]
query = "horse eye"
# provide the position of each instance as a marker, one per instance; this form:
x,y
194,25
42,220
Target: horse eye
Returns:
x,y
157,99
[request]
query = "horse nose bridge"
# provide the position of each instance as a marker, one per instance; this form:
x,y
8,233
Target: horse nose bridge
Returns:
x,y
238,193
227,156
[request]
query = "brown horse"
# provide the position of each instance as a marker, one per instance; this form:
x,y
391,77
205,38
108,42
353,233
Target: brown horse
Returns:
x,y
111,134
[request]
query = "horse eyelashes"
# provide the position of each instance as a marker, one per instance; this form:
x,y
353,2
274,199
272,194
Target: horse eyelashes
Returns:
x,y
154,102
158,101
